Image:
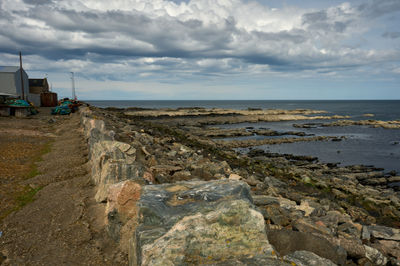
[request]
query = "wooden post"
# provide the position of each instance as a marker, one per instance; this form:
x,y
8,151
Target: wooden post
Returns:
x,y
22,76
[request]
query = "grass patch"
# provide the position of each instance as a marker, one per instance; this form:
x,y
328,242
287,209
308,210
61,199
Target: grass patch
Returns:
x,y
46,148
26,197
34,171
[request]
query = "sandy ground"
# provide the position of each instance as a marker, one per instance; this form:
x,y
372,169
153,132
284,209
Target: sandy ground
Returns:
x,y
48,212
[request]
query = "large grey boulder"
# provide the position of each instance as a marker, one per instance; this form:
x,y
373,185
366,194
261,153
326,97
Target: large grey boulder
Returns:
x,y
198,223
287,242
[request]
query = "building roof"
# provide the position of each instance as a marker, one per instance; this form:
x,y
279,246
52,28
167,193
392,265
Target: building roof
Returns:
x,y
36,82
8,69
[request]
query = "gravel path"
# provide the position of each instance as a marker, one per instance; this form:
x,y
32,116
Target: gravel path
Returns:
x,y
63,225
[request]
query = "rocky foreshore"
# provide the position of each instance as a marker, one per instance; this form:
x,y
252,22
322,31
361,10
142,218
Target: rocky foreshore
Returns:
x,y
174,196
373,123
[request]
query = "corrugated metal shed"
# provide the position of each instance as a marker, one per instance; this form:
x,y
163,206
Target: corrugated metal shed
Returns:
x,y
9,69
10,81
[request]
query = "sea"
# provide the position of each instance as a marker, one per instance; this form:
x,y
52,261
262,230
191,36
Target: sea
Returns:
x,y
362,145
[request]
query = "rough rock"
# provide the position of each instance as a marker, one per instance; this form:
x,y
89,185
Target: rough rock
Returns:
x,y
390,247
305,207
375,256
101,152
114,171
235,177
307,258
122,197
267,200
276,215
307,226
383,232
121,211
286,242
198,223
254,261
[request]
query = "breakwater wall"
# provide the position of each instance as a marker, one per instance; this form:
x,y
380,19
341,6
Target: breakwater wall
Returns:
x,y
216,222
170,224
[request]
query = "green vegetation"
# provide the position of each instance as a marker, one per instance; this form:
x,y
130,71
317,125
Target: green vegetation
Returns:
x,y
38,158
26,197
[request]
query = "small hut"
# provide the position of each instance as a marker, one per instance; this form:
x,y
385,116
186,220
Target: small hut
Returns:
x,y
41,87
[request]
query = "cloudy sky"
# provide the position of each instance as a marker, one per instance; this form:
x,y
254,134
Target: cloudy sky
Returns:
x,y
207,49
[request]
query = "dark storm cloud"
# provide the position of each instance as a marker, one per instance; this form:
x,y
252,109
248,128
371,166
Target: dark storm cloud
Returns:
x,y
315,17
104,35
333,23
378,8
38,2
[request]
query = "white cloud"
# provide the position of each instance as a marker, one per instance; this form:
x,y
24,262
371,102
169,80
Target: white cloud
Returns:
x,y
127,39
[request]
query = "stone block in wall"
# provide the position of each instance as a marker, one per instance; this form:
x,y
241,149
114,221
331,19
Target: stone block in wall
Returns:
x,y
198,222
115,171
121,208
102,151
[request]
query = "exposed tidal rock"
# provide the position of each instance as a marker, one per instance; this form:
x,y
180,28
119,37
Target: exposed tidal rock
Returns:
x,y
373,123
306,258
287,242
384,232
198,223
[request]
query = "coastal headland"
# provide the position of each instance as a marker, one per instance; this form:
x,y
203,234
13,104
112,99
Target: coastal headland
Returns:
x,y
166,187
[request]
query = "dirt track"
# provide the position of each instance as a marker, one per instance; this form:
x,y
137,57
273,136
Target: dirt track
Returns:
x,y
63,225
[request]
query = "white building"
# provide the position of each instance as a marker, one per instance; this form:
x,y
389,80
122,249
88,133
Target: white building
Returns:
x,y
11,85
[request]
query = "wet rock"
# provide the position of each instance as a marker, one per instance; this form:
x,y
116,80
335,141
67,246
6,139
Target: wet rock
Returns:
x,y
383,232
287,242
197,223
307,258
